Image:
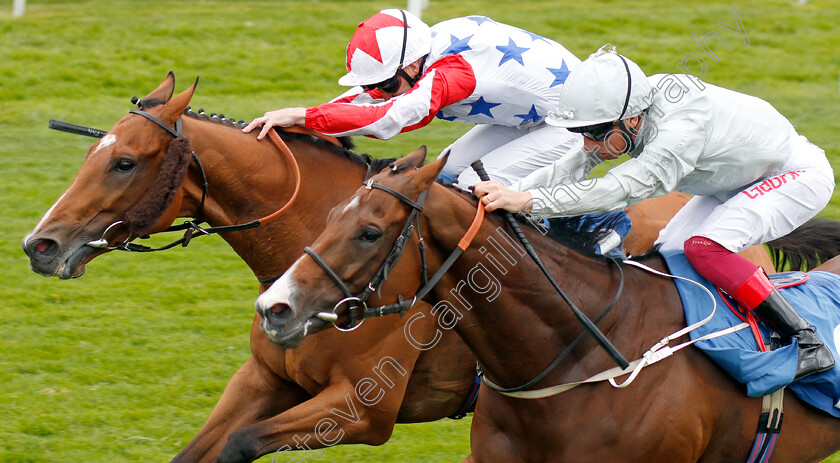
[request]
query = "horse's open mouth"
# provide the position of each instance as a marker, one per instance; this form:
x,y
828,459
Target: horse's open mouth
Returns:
x,y
73,265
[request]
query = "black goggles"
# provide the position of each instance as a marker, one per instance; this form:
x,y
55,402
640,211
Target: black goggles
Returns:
x,y
597,132
387,86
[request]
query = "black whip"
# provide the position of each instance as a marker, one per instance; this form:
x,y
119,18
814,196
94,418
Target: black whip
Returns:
x,y
77,129
587,323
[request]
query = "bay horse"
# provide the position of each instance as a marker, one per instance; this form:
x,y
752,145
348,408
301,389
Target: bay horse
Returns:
x,y
683,409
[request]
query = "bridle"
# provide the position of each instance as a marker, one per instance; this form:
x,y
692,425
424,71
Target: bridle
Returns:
x,y
191,227
358,303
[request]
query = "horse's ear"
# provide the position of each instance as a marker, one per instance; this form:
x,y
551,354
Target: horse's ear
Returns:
x,y
426,175
414,159
164,90
173,109
417,156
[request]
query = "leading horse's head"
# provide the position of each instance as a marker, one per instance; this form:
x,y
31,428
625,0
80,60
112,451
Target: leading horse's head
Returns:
x,y
128,186
359,236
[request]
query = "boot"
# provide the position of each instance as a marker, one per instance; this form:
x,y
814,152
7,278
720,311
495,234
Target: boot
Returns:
x,y
759,293
814,356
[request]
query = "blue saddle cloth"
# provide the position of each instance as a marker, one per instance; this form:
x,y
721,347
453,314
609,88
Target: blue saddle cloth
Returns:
x,y
817,300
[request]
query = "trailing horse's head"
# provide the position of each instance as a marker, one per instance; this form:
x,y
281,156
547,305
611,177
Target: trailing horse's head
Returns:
x,y
128,186
359,237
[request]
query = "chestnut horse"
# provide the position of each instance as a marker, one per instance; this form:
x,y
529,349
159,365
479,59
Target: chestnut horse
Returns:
x,y
683,409
286,392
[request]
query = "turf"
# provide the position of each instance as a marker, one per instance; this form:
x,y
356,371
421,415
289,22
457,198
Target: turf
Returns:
x,y
125,363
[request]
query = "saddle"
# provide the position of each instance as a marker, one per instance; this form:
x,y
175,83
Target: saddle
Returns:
x,y
816,295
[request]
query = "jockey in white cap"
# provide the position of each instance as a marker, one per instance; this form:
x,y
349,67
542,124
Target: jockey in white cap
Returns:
x,y
755,178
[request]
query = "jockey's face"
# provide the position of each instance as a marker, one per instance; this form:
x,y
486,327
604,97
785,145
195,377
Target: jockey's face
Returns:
x,y
413,70
616,143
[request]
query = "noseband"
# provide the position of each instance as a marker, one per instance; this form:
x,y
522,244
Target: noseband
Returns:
x,y
192,226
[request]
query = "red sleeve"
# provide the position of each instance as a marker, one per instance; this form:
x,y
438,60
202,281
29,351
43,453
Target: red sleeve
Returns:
x,y
456,81
447,81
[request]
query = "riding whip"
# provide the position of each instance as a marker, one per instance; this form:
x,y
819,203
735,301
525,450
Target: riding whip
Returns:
x,y
587,323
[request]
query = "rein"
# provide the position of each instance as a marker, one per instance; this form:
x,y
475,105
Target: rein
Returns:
x,y
582,318
191,226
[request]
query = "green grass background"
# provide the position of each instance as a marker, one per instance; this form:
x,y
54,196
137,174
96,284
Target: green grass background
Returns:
x,y
125,363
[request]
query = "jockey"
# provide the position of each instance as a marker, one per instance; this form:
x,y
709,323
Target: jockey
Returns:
x,y
403,74
755,179
471,69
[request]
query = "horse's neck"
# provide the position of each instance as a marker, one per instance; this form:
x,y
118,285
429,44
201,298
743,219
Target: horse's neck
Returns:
x,y
250,179
513,319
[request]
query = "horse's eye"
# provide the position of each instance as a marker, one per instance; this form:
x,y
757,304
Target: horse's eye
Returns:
x,y
124,165
369,236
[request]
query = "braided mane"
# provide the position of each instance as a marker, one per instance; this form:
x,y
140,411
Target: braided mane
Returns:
x,y
345,150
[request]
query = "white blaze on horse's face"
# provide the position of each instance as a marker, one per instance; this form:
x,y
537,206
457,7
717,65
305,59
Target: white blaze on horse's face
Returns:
x,y
106,141
280,292
352,205
43,219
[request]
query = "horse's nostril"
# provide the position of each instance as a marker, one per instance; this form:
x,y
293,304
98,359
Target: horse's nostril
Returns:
x,y
278,308
43,248
277,314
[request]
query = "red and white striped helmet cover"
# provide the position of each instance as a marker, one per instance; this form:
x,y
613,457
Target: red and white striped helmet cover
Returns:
x,y
374,51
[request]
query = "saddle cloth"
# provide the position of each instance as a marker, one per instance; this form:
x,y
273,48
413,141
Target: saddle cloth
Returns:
x,y
817,300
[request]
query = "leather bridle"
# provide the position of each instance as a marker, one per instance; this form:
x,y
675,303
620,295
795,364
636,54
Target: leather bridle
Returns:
x,y
192,226
358,303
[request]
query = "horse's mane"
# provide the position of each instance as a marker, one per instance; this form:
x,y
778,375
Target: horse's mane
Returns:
x,y
344,150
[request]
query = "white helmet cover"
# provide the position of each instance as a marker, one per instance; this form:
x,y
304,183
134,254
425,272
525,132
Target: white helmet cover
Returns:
x,y
373,54
606,87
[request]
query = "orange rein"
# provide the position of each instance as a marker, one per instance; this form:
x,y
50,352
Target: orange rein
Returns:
x,y
281,145
314,133
466,240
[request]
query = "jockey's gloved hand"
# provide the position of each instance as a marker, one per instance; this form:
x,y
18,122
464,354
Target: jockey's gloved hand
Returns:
x,y
610,245
607,231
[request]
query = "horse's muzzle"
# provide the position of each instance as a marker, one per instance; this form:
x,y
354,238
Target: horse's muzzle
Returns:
x,y
278,314
42,253
48,257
